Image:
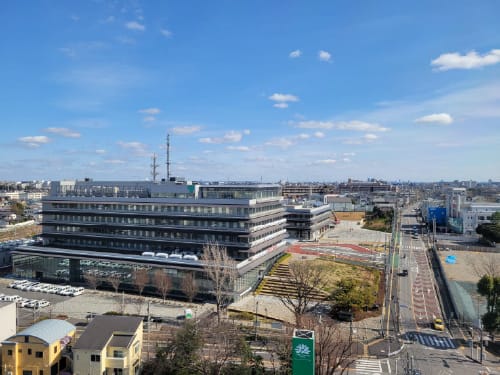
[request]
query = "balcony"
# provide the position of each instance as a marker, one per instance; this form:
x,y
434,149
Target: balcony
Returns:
x,y
116,362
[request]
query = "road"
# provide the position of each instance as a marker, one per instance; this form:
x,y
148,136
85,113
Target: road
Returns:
x,y
417,305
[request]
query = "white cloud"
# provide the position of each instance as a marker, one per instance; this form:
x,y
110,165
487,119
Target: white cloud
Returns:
x,y
149,119
303,136
114,161
183,130
295,54
63,132
324,56
34,141
370,137
100,151
283,99
349,154
246,131
319,134
134,25
166,33
150,111
342,125
471,60
280,142
137,148
230,137
346,160
238,148
325,161
435,118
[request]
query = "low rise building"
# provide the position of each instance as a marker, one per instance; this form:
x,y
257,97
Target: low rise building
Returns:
x,y
8,319
110,345
39,349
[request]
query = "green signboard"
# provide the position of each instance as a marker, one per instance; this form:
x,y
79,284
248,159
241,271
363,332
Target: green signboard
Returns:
x,y
303,352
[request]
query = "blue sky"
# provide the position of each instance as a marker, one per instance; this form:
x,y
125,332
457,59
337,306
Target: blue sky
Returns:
x,y
250,90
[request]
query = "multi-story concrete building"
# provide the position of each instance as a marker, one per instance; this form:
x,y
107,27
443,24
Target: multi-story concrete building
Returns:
x,y
110,345
455,198
155,225
39,349
307,222
475,214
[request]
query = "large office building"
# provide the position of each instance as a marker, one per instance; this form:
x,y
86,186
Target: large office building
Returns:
x,y
115,227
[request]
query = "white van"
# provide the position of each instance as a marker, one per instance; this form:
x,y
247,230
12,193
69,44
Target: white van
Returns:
x,y
190,257
162,255
175,256
148,254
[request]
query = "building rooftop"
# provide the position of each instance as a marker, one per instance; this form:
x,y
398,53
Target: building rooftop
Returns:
x,y
103,328
49,330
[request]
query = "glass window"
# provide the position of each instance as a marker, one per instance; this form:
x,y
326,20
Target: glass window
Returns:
x,y
95,358
39,354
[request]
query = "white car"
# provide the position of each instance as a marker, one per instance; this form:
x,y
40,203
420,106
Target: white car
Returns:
x,y
43,303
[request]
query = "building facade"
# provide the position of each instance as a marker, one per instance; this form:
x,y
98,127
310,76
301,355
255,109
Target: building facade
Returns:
x,y
110,345
155,225
39,349
308,223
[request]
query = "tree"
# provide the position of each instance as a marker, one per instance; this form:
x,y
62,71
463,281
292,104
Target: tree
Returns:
x,y
305,284
91,279
115,282
140,278
352,294
221,270
162,282
180,356
334,346
189,286
489,286
490,231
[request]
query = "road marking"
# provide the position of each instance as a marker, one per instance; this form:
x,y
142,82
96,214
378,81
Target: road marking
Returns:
x,y
368,367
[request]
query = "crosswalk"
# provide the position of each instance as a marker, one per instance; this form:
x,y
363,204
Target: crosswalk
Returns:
x,y
434,341
369,367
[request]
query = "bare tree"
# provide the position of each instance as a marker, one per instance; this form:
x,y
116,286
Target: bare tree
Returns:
x,y
189,286
162,282
221,270
115,282
334,345
302,288
485,265
140,278
91,279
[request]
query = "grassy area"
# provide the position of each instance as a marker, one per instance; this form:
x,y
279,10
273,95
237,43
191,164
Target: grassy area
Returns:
x,y
378,224
21,232
337,271
350,216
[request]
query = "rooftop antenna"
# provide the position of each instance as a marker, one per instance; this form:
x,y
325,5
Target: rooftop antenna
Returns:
x,y
168,157
154,167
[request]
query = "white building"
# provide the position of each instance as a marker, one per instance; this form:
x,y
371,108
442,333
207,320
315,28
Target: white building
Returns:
x,y
475,214
455,198
8,319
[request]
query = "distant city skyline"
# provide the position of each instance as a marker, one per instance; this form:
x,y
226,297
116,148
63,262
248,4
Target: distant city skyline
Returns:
x,y
251,91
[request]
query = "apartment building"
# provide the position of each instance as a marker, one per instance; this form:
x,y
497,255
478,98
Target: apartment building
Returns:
x,y
39,349
88,225
110,345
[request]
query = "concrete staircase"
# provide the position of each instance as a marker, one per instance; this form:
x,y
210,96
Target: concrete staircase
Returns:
x,y
276,284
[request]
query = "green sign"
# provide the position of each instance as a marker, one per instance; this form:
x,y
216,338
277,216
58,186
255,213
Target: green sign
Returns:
x,y
303,354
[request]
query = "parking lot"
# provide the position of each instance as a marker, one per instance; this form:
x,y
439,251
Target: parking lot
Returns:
x,y
80,308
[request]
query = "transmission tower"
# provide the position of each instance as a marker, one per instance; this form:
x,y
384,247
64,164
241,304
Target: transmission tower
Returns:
x,y
168,157
154,168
